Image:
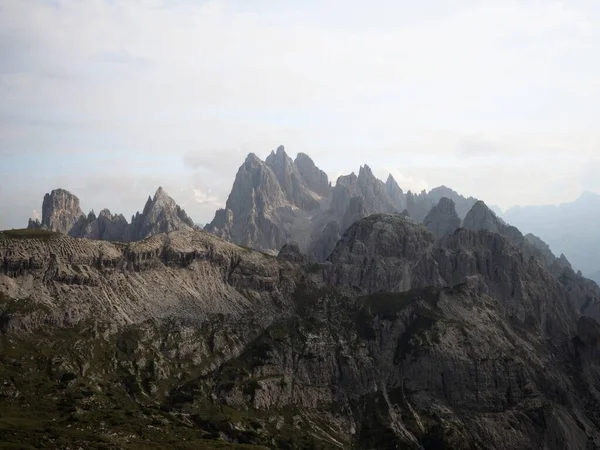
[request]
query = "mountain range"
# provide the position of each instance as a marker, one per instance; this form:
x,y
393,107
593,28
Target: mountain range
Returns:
x,y
62,213
305,315
279,200
569,228
402,338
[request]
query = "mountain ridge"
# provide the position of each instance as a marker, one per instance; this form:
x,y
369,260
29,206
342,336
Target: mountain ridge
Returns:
x,y
568,228
61,213
398,339
282,200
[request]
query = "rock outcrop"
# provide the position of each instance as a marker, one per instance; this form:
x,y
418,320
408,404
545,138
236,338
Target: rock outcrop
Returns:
x,y
314,178
105,227
160,215
292,182
384,252
62,213
442,219
253,215
483,218
395,192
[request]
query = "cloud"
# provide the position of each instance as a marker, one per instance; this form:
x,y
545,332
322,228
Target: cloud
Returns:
x,y
213,160
206,198
473,146
35,215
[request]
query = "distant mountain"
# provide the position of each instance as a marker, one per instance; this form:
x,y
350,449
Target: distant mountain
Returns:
x,y
569,228
442,219
280,200
61,213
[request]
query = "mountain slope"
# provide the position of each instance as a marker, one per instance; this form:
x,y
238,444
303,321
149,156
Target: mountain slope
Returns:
x,y
397,341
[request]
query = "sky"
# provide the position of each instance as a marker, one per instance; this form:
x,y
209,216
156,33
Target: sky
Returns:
x,y
112,98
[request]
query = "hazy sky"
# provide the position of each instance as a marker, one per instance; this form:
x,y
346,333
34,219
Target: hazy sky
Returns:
x,y
110,99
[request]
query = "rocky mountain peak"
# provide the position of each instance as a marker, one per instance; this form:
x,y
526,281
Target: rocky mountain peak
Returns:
x,y
384,252
160,193
365,172
293,183
395,192
162,200
161,215
480,217
252,161
442,219
248,215
279,158
281,199
60,211
314,178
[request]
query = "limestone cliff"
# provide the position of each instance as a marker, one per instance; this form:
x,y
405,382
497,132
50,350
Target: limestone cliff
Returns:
x,y
398,340
282,200
62,213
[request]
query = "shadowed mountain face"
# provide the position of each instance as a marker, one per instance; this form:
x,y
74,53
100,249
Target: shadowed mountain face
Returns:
x,y
61,213
282,200
398,340
442,219
569,228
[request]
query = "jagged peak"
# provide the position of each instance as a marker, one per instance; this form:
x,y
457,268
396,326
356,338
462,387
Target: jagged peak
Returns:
x,y
480,209
392,186
442,218
160,192
343,179
303,156
446,203
61,191
563,259
278,157
365,171
105,213
480,205
482,217
252,159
